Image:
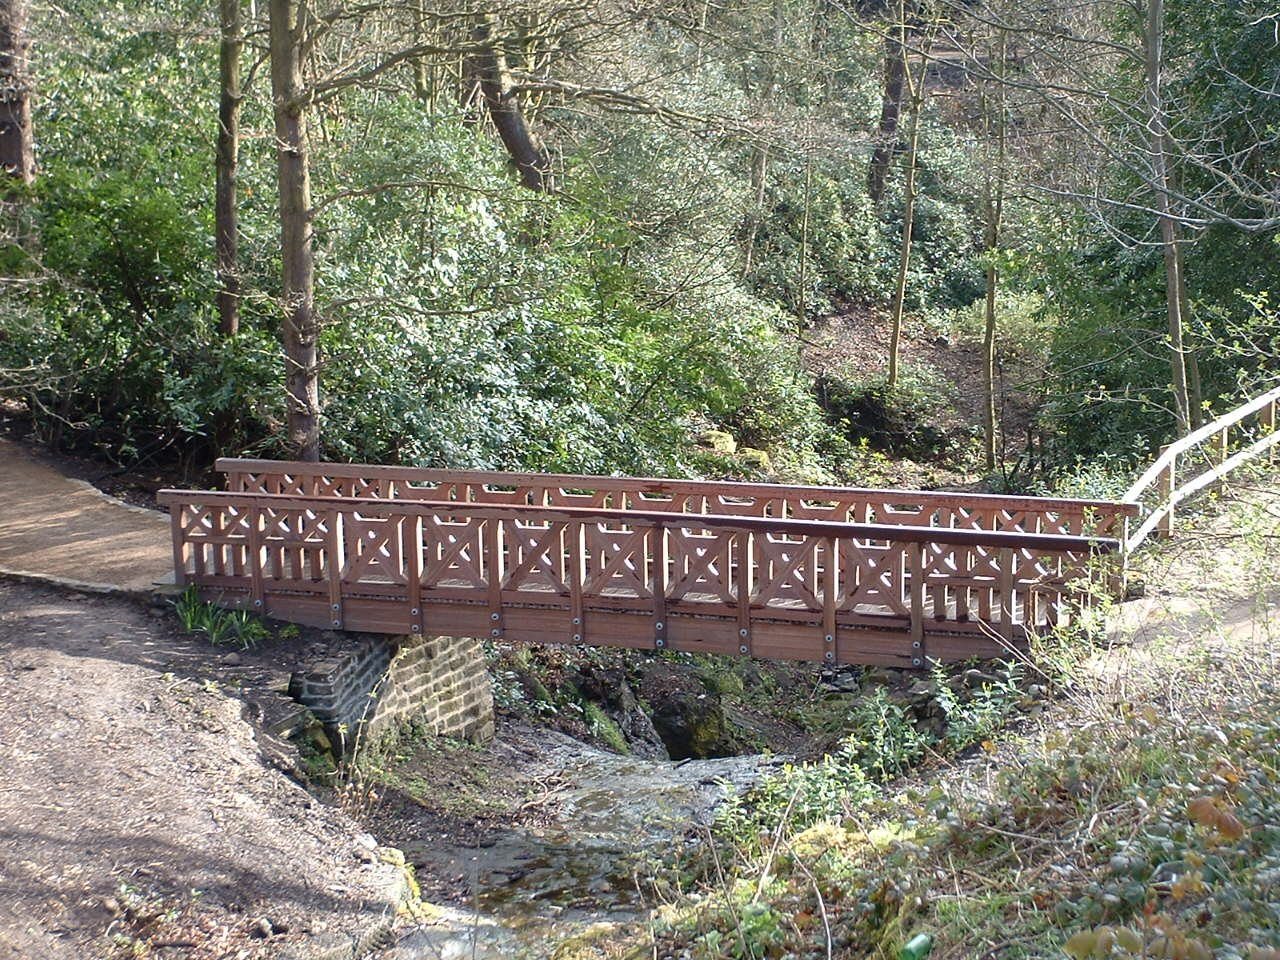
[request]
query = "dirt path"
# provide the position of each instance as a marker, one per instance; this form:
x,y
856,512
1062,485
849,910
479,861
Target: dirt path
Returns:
x,y
1211,596
140,814
63,530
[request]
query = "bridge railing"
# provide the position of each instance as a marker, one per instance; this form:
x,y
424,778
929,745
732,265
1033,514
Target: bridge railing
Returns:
x,y
1199,461
758,586
967,511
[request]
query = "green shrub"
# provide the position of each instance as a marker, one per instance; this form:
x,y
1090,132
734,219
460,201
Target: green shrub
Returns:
x,y
217,625
910,420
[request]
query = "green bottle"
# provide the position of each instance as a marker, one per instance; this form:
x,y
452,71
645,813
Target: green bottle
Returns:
x,y
917,948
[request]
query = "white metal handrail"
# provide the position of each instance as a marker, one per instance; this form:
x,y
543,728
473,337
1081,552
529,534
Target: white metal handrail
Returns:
x,y
1162,474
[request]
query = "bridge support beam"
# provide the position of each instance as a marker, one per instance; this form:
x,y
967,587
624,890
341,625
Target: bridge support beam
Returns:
x,y
382,686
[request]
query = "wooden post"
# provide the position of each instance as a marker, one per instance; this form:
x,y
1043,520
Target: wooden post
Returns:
x,y
916,554
745,555
1007,601
830,597
576,575
1220,445
179,555
411,555
333,539
256,590
1118,583
490,537
1165,487
657,541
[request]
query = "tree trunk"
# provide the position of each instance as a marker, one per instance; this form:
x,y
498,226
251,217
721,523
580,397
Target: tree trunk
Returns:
x,y
299,329
993,206
895,70
759,177
531,159
802,293
990,421
1154,43
1195,397
908,226
17,147
226,238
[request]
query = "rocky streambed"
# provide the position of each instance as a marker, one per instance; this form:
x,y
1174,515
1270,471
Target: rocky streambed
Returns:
x,y
540,843
571,859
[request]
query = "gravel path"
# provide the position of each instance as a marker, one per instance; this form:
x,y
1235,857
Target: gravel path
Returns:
x,y
144,810
63,530
140,814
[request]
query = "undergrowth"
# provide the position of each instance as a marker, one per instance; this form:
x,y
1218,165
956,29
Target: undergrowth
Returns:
x,y
220,626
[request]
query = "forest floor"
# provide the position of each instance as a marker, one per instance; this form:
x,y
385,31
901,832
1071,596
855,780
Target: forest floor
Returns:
x,y
853,344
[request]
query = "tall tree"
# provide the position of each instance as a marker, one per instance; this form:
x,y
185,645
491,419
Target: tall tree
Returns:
x,y
532,160
895,71
993,190
1152,152
228,155
1158,146
299,329
915,82
17,151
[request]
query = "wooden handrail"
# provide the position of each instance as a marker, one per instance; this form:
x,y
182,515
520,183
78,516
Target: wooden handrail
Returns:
x,y
1164,470
896,507
760,586
659,485
1195,438
951,536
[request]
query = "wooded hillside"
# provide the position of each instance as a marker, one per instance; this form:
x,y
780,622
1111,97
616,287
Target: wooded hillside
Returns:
x,y
596,236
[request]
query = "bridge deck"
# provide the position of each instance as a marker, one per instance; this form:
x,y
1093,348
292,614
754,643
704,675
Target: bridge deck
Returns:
x,y
429,552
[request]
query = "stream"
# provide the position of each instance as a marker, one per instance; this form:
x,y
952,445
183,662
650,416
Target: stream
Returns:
x,y
607,817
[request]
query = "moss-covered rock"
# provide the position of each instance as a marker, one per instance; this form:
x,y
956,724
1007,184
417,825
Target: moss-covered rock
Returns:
x,y
718,441
688,717
755,459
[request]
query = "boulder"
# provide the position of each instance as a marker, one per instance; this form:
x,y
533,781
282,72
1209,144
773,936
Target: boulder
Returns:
x,y
688,717
609,688
758,459
718,441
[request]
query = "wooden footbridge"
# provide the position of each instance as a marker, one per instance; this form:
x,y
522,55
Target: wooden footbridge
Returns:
x,y
841,575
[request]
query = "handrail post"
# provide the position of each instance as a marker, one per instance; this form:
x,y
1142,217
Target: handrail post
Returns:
x,y
830,597
658,545
744,544
1165,488
1008,585
179,552
1267,420
257,591
1220,446
1118,581
576,575
916,554
334,548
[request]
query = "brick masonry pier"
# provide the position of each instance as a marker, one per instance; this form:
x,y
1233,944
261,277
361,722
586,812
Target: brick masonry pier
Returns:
x,y
382,684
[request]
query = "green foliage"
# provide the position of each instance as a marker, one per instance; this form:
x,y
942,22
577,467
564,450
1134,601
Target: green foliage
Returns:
x,y
603,728
973,719
1180,859
884,741
797,797
909,420
217,625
